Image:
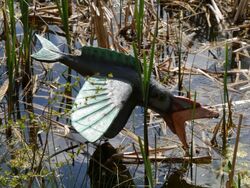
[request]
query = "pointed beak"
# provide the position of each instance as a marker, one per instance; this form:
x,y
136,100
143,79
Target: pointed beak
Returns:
x,y
182,111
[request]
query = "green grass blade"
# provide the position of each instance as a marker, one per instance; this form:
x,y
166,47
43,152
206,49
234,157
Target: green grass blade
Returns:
x,y
225,97
139,20
25,21
63,7
147,164
180,54
10,51
24,6
145,81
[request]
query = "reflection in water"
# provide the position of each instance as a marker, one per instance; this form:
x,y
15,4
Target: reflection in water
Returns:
x,y
176,180
107,171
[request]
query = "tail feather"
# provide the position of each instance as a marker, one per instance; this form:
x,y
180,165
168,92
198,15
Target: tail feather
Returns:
x,y
48,53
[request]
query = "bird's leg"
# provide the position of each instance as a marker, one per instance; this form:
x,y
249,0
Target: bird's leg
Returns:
x,y
176,123
179,119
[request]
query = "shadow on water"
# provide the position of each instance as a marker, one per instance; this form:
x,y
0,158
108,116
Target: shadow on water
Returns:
x,y
176,180
107,171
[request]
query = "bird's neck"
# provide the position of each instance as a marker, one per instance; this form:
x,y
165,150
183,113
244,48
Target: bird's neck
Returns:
x,y
159,97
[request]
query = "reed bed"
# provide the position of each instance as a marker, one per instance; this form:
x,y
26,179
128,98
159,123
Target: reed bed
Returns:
x,y
35,99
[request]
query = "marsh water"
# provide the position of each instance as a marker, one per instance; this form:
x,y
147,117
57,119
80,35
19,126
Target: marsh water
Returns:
x,y
75,171
73,165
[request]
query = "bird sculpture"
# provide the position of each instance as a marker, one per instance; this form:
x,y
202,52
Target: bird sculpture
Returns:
x,y
112,89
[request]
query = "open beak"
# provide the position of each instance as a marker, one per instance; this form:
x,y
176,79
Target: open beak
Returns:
x,y
184,109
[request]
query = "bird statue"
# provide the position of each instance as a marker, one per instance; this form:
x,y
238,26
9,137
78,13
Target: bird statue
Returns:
x,y
112,90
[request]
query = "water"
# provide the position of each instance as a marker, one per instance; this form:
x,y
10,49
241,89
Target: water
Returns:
x,y
73,172
71,169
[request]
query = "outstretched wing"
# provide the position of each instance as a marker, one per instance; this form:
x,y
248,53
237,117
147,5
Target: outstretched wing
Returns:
x,y
98,104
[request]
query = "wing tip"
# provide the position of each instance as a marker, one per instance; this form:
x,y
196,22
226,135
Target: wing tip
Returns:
x,y
48,53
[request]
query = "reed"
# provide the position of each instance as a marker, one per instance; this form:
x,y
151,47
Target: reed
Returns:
x,y
64,12
147,165
145,80
231,174
26,63
179,52
26,67
192,138
139,13
100,23
10,52
63,8
147,71
225,98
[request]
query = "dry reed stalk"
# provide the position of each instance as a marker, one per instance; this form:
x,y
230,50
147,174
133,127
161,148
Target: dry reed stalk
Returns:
x,y
197,71
215,132
211,74
234,103
3,89
242,7
218,13
178,5
44,8
154,150
100,25
137,159
132,136
244,49
128,13
231,175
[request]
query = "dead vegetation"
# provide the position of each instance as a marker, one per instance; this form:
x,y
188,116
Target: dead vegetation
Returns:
x,y
185,27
